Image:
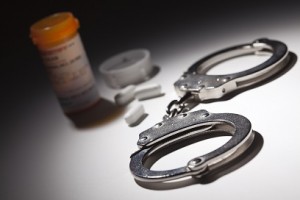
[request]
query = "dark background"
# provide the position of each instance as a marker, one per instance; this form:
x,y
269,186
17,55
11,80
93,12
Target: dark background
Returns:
x,y
112,26
109,27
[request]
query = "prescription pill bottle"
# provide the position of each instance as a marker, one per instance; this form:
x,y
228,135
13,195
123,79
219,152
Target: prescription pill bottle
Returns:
x,y
65,60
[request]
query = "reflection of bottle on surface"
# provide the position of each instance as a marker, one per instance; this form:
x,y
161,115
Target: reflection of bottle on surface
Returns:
x,y
64,57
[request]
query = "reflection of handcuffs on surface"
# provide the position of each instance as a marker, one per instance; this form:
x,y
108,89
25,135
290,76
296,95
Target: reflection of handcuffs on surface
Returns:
x,y
193,87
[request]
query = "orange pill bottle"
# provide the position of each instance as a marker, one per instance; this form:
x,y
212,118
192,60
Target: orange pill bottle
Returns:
x,y
65,60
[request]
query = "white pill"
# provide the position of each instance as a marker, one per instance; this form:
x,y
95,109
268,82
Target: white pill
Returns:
x,y
135,115
125,96
147,91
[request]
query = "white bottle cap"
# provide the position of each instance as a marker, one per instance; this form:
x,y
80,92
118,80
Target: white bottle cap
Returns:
x,y
130,67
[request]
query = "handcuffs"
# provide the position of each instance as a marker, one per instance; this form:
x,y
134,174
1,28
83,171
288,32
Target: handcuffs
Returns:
x,y
193,87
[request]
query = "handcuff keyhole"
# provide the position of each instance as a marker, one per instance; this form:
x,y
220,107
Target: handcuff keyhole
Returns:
x,y
143,138
204,114
158,125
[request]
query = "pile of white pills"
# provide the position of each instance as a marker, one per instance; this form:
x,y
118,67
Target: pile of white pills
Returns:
x,y
125,70
131,92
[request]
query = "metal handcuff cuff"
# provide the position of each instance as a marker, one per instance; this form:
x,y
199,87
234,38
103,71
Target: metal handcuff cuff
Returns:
x,y
193,87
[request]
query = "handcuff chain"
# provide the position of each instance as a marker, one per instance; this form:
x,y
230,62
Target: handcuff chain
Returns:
x,y
177,107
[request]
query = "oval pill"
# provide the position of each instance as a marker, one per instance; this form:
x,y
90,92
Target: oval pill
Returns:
x,y
135,115
125,96
147,91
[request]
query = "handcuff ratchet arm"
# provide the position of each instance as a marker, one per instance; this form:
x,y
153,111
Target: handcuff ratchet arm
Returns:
x,y
187,126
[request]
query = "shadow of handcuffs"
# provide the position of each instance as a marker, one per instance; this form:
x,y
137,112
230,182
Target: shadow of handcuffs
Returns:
x,y
181,127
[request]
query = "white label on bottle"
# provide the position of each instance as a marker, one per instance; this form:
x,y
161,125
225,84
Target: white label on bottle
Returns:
x,y
70,74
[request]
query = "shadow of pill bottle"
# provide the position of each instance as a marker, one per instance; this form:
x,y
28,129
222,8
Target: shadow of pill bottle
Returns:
x,y
64,57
